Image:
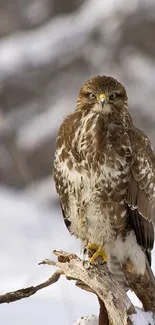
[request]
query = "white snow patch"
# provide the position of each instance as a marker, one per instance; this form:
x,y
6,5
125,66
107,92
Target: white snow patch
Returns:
x,y
142,318
87,320
134,299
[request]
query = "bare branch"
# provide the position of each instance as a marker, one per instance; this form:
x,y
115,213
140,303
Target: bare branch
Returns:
x,y
99,281
27,292
115,306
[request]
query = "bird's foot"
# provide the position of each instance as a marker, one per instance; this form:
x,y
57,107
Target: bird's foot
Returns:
x,y
99,252
93,246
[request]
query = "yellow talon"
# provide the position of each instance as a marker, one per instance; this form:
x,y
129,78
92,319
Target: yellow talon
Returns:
x,y
93,246
99,252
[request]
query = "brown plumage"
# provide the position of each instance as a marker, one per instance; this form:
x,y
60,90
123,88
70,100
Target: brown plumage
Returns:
x,y
104,171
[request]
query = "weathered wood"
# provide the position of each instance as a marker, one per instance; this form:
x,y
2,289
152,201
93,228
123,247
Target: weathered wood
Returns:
x,y
115,306
99,281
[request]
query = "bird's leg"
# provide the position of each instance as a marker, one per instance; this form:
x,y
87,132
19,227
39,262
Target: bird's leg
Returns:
x,y
99,252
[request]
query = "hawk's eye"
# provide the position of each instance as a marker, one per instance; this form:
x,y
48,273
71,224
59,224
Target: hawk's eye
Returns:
x,y
112,96
91,95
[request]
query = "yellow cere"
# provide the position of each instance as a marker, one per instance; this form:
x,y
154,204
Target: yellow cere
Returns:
x,y
102,96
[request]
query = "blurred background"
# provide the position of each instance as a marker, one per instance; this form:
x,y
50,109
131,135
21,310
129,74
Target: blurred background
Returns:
x,y
48,48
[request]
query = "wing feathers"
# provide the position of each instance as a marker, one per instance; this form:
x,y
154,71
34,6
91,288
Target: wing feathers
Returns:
x,y
141,192
144,231
132,194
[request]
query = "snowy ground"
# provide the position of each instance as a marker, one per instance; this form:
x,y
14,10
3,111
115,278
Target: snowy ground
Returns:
x,y
28,233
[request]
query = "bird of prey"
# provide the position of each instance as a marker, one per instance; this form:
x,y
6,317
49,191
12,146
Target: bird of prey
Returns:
x,y
104,171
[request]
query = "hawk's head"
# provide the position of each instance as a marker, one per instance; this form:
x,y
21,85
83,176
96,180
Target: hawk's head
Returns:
x,y
102,95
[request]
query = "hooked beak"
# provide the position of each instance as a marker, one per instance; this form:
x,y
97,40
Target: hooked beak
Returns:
x,y
103,99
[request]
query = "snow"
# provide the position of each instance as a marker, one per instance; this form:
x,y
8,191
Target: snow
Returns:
x,y
142,318
90,320
132,296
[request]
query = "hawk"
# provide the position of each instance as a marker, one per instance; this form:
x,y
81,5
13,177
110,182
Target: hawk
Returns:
x,y
104,171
